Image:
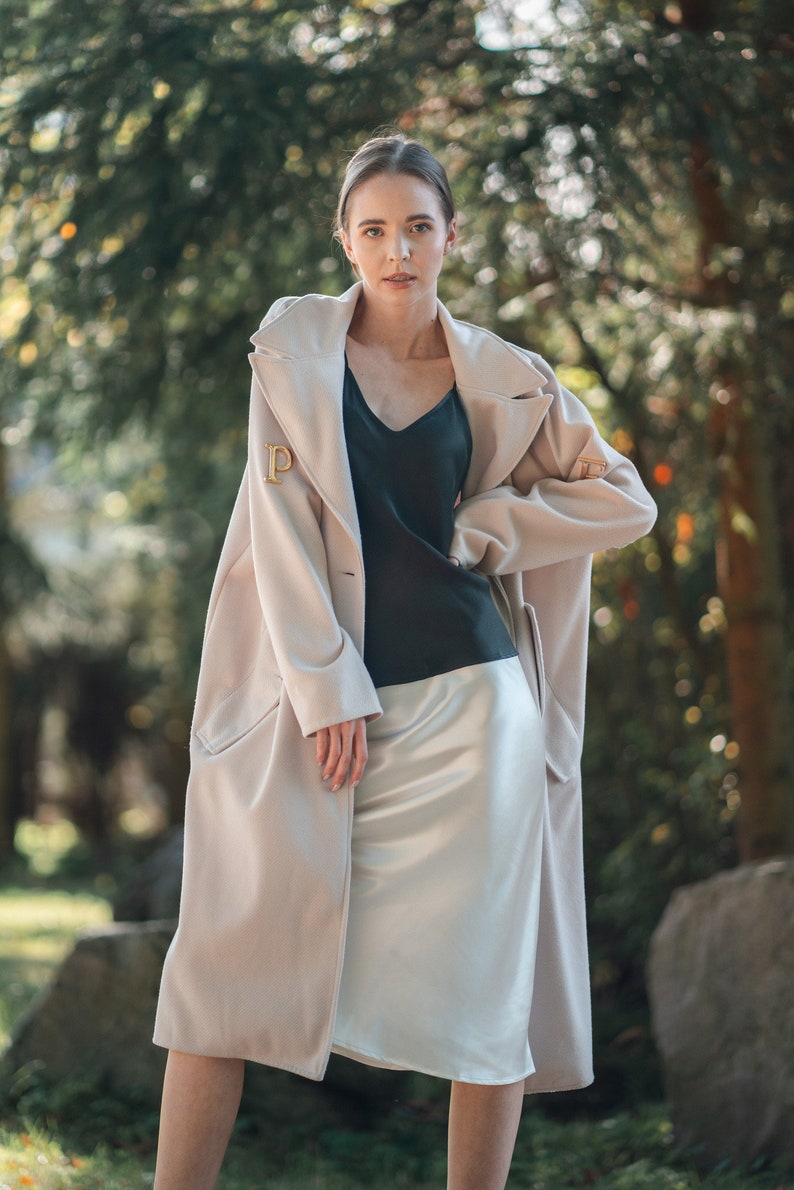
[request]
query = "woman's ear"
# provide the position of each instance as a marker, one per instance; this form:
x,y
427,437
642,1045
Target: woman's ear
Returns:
x,y
452,235
345,242
347,248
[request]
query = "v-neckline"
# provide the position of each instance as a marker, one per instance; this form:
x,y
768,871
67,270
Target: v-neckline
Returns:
x,y
379,420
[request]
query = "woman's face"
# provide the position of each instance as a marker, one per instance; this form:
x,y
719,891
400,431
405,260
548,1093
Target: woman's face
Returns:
x,y
397,236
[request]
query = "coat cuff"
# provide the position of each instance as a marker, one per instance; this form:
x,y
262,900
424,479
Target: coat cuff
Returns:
x,y
337,692
463,549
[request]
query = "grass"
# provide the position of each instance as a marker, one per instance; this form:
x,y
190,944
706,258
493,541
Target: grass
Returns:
x,y
630,1151
36,1159
73,1136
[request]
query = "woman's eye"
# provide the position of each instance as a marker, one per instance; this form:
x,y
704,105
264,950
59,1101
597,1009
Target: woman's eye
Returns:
x,y
372,232
421,227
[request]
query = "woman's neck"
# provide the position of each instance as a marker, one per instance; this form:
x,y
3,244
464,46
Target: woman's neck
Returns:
x,y
402,334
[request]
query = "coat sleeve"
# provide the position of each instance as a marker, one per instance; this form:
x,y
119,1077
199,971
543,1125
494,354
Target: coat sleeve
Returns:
x,y
323,672
571,495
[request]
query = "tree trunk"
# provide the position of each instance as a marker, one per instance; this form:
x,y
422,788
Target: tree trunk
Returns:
x,y
748,565
7,816
750,586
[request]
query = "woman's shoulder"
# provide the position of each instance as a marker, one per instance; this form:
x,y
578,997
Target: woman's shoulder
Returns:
x,y
279,307
312,317
482,353
526,354
317,303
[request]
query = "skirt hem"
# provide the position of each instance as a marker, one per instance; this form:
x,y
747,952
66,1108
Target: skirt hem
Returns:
x,y
386,1064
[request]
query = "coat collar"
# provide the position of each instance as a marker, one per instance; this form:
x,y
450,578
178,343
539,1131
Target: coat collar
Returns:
x,y
299,364
502,394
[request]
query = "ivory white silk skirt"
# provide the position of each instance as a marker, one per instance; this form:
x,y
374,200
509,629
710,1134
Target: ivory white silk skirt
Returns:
x,y
440,949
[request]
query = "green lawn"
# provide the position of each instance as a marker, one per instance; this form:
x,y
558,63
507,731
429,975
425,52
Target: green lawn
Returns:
x,y
54,1137
626,1152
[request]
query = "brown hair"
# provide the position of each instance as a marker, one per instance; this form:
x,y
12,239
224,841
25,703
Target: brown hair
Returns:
x,y
394,154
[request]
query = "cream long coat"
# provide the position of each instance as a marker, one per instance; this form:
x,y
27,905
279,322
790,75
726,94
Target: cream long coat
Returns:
x,y
254,968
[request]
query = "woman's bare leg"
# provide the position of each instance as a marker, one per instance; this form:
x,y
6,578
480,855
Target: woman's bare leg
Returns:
x,y
483,1122
201,1097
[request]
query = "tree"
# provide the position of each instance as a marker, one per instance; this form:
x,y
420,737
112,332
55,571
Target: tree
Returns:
x,y
635,218
21,578
172,171
748,565
168,171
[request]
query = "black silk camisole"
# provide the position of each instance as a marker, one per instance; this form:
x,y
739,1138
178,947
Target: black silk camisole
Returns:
x,y
424,615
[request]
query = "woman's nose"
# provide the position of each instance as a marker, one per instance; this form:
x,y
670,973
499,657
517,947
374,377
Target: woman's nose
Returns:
x,y
399,250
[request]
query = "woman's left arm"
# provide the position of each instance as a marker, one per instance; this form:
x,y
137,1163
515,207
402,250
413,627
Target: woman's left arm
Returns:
x,y
570,495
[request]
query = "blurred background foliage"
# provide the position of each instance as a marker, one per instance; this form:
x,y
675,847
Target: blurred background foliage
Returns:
x,y
624,176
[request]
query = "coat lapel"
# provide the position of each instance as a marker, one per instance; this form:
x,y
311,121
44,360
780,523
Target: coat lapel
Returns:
x,y
500,391
299,365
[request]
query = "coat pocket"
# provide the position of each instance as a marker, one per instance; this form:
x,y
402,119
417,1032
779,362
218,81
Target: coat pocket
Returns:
x,y
563,742
537,680
240,711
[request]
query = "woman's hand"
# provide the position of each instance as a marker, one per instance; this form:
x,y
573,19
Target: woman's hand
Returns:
x,y
342,749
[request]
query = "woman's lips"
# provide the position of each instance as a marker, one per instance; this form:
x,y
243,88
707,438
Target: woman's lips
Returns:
x,y
400,279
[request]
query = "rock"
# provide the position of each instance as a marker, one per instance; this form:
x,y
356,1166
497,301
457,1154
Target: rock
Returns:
x,y
152,892
720,981
96,1017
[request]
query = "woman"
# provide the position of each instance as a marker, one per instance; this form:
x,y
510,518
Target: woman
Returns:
x,y
378,861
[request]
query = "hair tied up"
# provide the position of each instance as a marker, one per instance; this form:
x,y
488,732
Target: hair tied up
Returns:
x,y
393,153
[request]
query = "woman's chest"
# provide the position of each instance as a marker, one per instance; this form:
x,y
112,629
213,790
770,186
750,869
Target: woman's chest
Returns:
x,y
401,392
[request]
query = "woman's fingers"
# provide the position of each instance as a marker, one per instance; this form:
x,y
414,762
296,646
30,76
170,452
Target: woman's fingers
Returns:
x,y
323,739
342,750
340,755
333,753
360,751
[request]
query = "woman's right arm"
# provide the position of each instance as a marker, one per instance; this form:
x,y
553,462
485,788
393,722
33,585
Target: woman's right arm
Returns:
x,y
571,495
